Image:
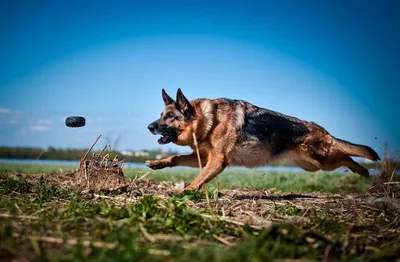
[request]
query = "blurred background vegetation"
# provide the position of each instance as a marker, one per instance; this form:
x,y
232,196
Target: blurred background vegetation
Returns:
x,y
52,153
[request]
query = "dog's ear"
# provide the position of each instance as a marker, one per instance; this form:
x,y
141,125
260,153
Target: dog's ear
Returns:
x,y
184,105
167,99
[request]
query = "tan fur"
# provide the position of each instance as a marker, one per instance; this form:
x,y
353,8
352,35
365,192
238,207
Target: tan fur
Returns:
x,y
217,126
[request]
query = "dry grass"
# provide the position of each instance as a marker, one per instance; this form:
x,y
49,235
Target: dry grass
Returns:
x,y
387,182
345,224
331,226
96,174
99,173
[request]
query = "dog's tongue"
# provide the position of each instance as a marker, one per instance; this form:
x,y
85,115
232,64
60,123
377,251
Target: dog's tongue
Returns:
x,y
163,140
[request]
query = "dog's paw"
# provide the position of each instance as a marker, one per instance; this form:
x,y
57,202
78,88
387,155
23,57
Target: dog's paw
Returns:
x,y
172,192
179,189
155,164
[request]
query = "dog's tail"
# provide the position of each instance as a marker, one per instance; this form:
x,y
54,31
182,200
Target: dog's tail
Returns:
x,y
357,150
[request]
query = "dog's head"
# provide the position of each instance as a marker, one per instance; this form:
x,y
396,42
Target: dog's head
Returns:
x,y
175,118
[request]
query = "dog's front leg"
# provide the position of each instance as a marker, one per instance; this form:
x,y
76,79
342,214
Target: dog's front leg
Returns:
x,y
176,160
160,164
217,162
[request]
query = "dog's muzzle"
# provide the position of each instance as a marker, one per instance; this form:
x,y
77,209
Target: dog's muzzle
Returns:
x,y
167,135
152,127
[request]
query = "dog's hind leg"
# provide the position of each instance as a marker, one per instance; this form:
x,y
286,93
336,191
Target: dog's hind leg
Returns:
x,y
356,168
303,159
350,163
310,164
306,165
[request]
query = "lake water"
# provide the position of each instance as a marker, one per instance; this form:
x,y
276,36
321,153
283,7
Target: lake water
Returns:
x,y
143,165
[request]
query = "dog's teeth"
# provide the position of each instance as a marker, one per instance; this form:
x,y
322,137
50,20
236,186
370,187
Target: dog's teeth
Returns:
x,y
163,139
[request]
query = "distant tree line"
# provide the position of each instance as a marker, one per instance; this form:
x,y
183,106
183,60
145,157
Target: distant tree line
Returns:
x,y
52,153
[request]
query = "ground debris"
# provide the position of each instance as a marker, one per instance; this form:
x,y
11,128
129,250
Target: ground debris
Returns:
x,y
364,226
384,202
335,225
387,182
99,173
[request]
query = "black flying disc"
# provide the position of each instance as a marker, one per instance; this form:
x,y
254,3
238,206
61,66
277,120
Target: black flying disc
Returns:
x,y
75,121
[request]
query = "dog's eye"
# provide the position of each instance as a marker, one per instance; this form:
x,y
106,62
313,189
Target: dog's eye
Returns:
x,y
169,115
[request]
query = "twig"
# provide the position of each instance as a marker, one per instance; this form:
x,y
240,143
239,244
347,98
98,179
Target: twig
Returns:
x,y
216,191
18,208
90,149
207,198
238,223
305,212
104,148
197,152
165,237
115,198
86,175
391,183
146,234
159,252
105,159
18,216
252,216
223,241
394,170
143,176
326,253
73,241
41,153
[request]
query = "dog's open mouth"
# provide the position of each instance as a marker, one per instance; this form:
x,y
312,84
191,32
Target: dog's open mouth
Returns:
x,y
164,139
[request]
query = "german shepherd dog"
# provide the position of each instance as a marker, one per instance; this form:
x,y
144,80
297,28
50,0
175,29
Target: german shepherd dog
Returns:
x,y
237,133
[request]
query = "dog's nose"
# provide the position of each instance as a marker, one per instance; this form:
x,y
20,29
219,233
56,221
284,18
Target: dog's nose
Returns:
x,y
151,127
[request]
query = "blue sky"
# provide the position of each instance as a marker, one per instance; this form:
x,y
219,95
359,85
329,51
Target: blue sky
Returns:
x,y
332,62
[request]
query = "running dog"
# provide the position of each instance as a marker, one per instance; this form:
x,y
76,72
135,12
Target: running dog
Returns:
x,y
231,132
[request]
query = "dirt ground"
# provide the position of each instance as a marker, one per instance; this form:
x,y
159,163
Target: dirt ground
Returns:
x,y
351,223
262,208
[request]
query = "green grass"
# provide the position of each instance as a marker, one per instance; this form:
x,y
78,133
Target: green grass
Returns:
x,y
39,213
233,178
33,168
259,179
